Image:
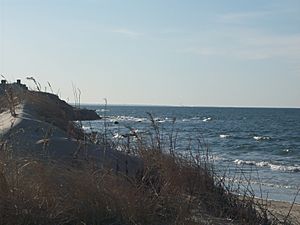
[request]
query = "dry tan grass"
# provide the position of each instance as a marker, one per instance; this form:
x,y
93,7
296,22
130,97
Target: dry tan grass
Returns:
x,y
171,189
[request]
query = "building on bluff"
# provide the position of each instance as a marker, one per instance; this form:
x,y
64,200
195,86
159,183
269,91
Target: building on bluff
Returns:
x,y
4,84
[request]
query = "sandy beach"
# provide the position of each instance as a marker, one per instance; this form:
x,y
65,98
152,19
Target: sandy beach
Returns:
x,y
281,210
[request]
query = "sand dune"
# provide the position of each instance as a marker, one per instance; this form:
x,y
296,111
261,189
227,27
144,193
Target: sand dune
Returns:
x,y
29,134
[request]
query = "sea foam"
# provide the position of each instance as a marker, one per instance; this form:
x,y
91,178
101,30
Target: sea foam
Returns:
x,y
269,165
260,138
224,135
207,119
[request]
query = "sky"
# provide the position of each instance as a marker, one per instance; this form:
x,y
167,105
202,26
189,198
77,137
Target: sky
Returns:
x,y
158,52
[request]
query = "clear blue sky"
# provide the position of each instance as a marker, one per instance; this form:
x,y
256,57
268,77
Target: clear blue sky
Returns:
x,y
169,52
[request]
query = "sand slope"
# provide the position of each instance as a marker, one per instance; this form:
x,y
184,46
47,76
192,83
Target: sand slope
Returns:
x,y
281,210
28,134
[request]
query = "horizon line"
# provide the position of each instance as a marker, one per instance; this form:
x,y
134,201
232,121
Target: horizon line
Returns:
x,y
191,106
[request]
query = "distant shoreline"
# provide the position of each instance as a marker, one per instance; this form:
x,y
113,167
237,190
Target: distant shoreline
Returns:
x,y
187,106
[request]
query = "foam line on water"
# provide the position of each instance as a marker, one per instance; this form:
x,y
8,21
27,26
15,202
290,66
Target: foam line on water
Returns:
x,y
268,165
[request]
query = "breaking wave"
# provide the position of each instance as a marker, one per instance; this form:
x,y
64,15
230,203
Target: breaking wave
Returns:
x,y
261,138
224,135
207,119
268,165
128,118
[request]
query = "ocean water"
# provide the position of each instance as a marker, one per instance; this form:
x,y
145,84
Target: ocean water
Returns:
x,y
258,148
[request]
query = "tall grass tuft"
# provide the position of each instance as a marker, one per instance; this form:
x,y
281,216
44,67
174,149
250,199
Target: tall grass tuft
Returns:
x,y
171,188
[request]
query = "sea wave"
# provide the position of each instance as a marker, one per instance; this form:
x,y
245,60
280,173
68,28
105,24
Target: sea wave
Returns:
x,y
128,118
139,119
269,165
217,158
118,136
102,110
243,162
285,168
224,135
186,120
260,183
261,138
87,128
194,119
206,119
161,120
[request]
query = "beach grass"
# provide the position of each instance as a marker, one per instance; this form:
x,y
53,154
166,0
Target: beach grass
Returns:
x,y
170,188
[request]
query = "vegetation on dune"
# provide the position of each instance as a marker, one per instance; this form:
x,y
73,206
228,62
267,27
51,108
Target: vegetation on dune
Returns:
x,y
171,188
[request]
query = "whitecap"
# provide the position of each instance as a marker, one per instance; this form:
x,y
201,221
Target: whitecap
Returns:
x,y
242,162
159,120
207,119
134,131
251,163
118,136
259,138
262,164
285,168
86,128
224,135
269,165
128,118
